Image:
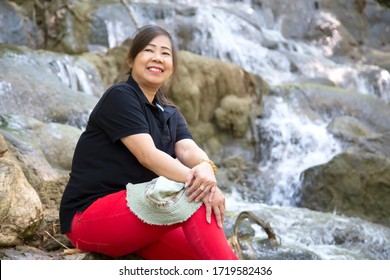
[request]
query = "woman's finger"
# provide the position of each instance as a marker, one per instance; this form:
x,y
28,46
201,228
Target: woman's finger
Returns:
x,y
190,178
208,212
212,193
193,188
200,193
222,209
203,191
218,216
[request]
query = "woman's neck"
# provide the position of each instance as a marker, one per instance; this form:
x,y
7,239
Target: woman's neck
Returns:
x,y
149,93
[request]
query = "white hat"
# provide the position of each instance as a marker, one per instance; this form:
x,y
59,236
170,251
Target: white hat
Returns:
x,y
160,201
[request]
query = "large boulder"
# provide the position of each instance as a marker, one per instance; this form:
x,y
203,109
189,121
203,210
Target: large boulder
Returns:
x,y
45,152
354,184
37,84
17,29
359,120
20,206
218,99
377,57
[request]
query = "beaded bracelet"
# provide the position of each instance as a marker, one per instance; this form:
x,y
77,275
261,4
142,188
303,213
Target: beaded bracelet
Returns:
x,y
215,169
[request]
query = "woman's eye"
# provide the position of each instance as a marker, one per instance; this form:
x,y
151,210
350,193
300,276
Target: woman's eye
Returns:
x,y
166,53
148,50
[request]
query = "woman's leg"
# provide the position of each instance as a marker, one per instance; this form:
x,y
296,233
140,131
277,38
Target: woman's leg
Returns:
x,y
171,246
196,239
109,227
207,240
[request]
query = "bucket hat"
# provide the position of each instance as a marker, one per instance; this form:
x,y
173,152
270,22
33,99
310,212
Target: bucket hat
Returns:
x,y
160,201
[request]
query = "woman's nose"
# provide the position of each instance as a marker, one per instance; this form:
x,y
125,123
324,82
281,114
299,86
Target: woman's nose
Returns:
x,y
157,57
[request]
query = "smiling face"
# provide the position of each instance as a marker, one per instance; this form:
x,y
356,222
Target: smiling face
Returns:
x,y
153,65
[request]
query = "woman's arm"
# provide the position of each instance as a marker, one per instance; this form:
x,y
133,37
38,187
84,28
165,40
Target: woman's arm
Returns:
x,y
202,174
189,153
143,148
190,156
202,178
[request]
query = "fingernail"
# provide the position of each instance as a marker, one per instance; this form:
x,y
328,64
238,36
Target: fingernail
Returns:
x,y
209,220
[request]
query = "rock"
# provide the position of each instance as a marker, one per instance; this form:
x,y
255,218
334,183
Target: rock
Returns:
x,y
47,98
378,22
354,184
205,94
110,65
234,115
377,57
20,206
45,149
17,29
358,118
24,252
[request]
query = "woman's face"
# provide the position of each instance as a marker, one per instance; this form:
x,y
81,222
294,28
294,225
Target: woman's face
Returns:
x,y
154,64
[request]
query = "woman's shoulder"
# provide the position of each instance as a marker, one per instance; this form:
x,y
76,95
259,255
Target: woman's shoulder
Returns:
x,y
117,95
122,90
120,86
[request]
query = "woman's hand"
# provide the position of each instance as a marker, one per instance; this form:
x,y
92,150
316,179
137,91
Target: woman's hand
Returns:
x,y
201,182
217,206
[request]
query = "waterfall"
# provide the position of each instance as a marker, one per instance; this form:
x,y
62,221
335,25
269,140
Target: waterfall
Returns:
x,y
74,72
73,75
249,33
291,144
250,36
117,32
5,86
242,42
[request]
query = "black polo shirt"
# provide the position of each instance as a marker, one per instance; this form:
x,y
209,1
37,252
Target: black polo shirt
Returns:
x,y
101,163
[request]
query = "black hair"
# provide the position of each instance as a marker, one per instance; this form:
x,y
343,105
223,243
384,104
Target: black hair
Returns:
x,y
142,38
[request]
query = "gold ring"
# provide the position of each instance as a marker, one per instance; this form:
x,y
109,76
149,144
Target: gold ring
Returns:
x,y
202,188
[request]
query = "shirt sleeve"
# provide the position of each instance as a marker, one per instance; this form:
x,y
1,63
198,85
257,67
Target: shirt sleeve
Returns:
x,y
120,114
182,131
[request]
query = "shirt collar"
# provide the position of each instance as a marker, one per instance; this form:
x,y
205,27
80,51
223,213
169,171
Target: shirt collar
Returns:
x,y
166,109
138,91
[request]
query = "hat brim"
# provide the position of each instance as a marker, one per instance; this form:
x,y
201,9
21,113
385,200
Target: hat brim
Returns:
x,y
177,212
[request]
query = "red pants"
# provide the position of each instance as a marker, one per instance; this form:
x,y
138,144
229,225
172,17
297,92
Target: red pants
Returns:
x,y
110,228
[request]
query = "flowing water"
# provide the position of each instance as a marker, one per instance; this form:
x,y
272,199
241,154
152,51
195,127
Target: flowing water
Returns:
x,y
242,33
294,143
250,37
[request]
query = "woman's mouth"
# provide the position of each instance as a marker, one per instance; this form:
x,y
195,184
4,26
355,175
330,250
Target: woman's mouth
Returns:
x,y
155,69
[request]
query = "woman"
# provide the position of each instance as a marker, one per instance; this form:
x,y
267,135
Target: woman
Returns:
x,y
134,135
